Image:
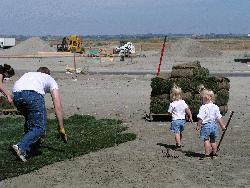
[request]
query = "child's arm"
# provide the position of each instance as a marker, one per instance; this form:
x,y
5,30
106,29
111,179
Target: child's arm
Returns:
x,y
170,109
198,126
220,119
169,113
222,124
188,111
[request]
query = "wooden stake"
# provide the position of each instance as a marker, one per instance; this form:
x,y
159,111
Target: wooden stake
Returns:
x,y
223,134
162,52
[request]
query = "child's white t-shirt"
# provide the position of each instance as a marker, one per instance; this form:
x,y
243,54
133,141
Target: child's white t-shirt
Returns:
x,y
177,109
209,113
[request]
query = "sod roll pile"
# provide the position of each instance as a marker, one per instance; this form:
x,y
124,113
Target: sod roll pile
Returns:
x,y
189,77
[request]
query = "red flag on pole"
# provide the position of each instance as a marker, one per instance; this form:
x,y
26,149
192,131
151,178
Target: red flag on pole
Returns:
x,y
162,53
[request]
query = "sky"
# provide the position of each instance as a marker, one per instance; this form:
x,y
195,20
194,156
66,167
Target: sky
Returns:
x,y
113,17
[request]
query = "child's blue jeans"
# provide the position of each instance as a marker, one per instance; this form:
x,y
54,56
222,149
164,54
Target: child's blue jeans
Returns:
x,y
31,104
177,126
209,131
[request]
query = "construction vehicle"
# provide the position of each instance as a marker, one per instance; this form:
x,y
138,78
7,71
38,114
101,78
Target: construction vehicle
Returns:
x,y
125,51
117,49
72,43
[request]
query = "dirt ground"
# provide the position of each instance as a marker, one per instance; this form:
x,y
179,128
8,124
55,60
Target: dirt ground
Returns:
x,y
140,163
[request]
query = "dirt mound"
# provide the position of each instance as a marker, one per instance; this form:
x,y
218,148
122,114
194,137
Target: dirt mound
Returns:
x,y
29,47
190,48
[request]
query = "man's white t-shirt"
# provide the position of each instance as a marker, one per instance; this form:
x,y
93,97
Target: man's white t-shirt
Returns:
x,y
36,81
209,113
177,109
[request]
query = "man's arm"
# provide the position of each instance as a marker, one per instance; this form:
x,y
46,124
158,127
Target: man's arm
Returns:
x,y
4,91
56,98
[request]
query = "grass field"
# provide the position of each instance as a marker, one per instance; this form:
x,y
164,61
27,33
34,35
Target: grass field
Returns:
x,y
85,134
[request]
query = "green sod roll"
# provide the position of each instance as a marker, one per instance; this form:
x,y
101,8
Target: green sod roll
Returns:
x,y
159,105
160,86
222,97
189,77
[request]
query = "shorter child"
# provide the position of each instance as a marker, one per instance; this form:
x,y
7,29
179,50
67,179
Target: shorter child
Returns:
x,y
209,115
178,109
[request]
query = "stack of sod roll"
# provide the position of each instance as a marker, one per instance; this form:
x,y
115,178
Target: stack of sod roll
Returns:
x,y
189,77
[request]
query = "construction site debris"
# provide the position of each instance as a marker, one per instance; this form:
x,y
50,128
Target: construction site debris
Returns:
x,y
71,70
93,53
105,52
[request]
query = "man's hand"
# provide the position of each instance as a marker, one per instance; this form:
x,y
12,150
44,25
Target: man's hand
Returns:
x,y
62,134
10,100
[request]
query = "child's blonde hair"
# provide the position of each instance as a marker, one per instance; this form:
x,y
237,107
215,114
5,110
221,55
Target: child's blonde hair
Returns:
x,y
208,95
176,93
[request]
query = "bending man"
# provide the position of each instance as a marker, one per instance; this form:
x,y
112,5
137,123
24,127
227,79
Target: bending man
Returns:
x,y
28,94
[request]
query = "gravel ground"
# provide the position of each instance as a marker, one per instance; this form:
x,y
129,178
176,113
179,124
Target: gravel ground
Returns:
x,y
141,163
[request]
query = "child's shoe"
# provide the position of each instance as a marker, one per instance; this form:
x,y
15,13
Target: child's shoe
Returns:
x,y
178,148
205,157
213,155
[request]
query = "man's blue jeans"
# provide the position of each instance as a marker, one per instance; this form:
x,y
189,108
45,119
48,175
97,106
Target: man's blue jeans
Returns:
x,y
32,105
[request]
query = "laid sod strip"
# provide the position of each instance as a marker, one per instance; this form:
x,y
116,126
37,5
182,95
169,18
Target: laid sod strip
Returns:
x,y
85,134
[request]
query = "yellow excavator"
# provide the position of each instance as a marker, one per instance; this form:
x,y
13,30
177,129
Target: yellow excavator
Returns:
x,y
72,43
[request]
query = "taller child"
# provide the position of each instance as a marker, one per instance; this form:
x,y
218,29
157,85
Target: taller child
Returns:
x,y
208,117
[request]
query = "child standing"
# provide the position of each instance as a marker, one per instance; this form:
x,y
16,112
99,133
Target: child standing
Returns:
x,y
209,115
178,109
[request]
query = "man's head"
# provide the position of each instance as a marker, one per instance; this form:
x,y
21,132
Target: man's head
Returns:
x,y
8,71
44,70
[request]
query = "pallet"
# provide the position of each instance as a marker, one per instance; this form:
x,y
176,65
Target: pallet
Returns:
x,y
9,112
153,116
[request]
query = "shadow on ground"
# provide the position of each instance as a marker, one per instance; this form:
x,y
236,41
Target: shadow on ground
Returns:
x,y
187,153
